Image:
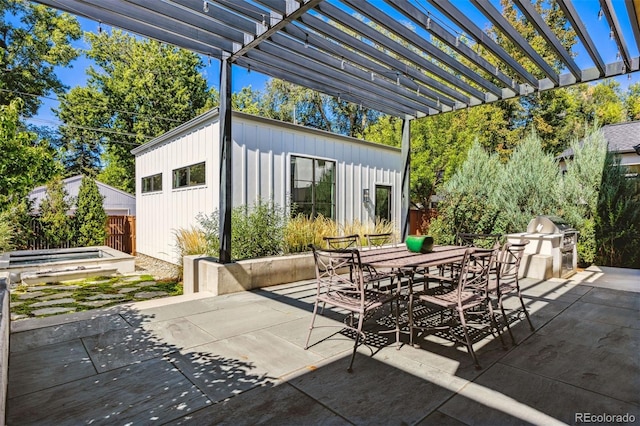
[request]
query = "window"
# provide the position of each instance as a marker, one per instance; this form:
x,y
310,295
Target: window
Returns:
x,y
383,202
189,176
152,183
313,187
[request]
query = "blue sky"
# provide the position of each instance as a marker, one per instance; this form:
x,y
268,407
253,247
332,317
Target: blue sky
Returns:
x,y
588,9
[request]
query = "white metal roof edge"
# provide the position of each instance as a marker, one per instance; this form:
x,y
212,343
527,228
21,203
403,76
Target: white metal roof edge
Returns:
x,y
213,114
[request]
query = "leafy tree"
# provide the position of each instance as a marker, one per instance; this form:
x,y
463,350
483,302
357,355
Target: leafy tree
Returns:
x,y
25,162
56,224
90,218
20,215
34,39
617,224
632,102
137,90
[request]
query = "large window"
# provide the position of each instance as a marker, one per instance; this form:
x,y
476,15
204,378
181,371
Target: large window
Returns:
x,y
189,176
383,202
313,187
152,183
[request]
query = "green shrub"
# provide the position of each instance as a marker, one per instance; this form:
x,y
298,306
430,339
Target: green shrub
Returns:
x,y
6,233
255,232
617,224
56,224
469,202
580,188
90,218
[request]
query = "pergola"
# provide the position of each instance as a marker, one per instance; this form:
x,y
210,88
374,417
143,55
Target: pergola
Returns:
x,y
405,58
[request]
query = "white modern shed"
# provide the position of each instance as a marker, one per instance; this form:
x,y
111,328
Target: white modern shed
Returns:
x,y
177,176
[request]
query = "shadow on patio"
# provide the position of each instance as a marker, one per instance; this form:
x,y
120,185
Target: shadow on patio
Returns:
x,y
238,359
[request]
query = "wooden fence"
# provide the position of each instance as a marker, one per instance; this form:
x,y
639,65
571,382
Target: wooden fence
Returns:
x,y
419,220
121,235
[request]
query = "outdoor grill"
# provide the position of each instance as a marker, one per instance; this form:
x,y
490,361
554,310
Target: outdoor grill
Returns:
x,y
552,249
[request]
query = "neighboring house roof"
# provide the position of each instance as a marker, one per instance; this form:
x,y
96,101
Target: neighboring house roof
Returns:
x,y
116,202
621,138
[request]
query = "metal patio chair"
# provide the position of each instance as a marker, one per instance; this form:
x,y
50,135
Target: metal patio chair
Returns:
x,y
378,240
469,296
342,241
505,280
349,291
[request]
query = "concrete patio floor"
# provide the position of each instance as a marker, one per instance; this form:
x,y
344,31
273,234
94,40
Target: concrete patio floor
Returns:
x,y
239,359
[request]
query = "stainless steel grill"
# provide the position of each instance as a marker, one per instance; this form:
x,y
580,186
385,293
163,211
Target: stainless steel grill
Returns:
x,y
567,240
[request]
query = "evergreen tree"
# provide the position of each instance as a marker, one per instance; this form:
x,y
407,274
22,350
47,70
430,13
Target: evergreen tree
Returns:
x,y
56,223
91,219
580,188
617,225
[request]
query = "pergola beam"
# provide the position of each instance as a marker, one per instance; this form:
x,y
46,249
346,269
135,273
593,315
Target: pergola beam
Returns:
x,y
582,33
614,24
518,41
543,29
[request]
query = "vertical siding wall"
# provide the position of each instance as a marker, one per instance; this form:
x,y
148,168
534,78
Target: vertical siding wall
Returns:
x,y
262,151
262,155
161,213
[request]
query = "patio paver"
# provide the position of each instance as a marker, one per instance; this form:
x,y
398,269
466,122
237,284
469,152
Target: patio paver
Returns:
x,y
239,359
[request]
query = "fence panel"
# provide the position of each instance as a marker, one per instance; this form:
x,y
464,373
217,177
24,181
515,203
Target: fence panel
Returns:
x,y
121,235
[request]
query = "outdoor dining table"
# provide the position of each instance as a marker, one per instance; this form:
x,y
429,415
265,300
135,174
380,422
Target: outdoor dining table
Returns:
x,y
401,258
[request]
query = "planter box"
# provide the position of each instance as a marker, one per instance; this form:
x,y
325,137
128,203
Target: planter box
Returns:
x,y
205,274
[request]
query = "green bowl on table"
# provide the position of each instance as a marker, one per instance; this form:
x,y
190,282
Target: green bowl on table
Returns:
x,y
419,243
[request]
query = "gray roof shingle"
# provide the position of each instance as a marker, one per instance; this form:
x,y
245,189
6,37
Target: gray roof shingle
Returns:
x,y
621,137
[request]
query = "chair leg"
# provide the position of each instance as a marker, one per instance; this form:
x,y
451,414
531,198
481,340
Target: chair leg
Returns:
x,y
463,322
524,308
313,319
397,314
494,324
355,345
506,319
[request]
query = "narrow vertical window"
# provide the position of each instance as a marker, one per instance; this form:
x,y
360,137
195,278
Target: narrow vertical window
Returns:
x,y
383,202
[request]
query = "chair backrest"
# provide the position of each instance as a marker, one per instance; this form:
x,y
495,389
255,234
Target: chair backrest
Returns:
x,y
509,260
339,270
475,269
342,242
378,240
487,241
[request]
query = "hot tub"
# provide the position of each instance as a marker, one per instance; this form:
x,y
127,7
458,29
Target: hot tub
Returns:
x,y
65,263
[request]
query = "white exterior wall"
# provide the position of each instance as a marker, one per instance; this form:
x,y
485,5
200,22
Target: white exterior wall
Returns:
x,y
261,155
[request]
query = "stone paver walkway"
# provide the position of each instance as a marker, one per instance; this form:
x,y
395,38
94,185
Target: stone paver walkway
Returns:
x,y
60,298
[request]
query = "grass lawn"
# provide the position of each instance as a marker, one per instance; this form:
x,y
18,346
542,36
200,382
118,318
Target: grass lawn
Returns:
x,y
89,293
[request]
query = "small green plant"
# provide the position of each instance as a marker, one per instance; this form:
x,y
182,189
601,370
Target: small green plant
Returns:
x,y
190,242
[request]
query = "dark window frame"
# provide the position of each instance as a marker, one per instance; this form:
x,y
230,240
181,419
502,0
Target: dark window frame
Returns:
x,y
389,190
315,181
152,183
175,181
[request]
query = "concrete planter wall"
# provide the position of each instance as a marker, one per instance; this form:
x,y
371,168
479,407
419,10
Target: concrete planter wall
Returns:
x,y
205,274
